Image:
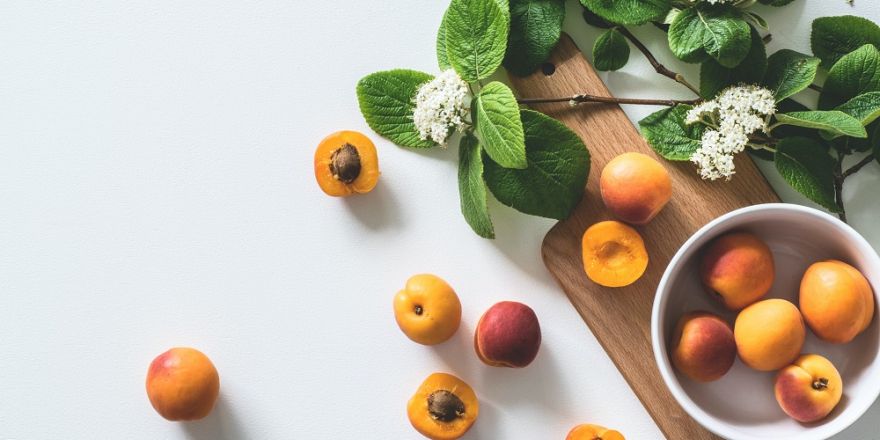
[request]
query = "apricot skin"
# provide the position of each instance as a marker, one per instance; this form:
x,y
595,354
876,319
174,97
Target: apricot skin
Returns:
x,y
836,300
508,335
635,187
427,310
809,389
738,267
182,384
703,346
593,432
769,334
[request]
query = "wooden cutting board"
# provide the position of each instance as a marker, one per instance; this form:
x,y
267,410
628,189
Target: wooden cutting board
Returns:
x,y
621,318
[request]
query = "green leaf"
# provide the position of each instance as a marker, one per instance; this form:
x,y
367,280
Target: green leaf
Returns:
x,y
808,168
714,77
629,12
498,125
535,27
834,37
472,188
386,100
865,107
857,72
596,21
716,30
668,134
442,58
476,37
834,122
783,131
611,51
554,182
789,72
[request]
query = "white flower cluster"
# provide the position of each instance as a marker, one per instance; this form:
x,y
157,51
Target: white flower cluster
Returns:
x,y
732,116
441,105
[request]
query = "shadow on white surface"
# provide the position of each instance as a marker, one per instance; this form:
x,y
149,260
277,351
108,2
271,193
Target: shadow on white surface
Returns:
x,y
221,424
377,210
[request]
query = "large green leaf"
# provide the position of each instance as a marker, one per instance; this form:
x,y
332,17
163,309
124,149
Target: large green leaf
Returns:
x,y
611,51
717,30
629,12
386,101
834,122
865,107
668,134
855,73
535,27
806,165
789,72
498,125
476,37
714,77
553,184
834,37
472,188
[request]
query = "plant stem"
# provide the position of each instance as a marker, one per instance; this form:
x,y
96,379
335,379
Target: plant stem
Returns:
x,y
855,168
660,68
815,87
838,186
577,99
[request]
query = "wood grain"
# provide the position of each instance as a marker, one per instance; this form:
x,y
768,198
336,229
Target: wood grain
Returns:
x,y
620,318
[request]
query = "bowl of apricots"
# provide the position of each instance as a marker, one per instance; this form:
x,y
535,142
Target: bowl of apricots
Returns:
x,y
765,324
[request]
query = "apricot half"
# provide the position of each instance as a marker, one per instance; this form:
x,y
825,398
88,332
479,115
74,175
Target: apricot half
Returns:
x,y
738,267
443,408
614,254
593,432
836,300
346,163
635,187
182,384
427,310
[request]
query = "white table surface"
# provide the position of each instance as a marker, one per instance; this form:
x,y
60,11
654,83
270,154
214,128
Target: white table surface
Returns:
x,y
156,189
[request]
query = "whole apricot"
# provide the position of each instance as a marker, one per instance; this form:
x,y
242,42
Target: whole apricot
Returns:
x,y
809,389
427,310
836,300
703,347
635,187
182,384
593,432
614,254
738,267
443,408
346,163
508,335
769,334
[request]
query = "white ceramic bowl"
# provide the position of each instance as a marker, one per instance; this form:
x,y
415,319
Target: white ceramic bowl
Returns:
x,y
741,405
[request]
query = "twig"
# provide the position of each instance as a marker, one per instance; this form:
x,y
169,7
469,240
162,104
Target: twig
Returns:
x,y
767,38
838,186
660,68
815,87
855,168
577,99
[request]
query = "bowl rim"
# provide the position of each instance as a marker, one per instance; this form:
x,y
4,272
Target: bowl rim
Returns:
x,y
844,420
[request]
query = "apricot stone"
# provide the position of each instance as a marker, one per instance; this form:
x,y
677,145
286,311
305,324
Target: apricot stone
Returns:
x,y
769,334
635,187
738,267
809,389
508,335
182,384
836,300
703,347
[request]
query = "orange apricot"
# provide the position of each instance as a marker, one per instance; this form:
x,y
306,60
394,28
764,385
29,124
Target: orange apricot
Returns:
x,y
635,187
614,254
836,300
427,310
593,432
346,163
182,384
443,408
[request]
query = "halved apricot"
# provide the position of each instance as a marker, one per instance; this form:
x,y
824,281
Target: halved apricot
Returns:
x,y
614,254
593,432
443,408
346,163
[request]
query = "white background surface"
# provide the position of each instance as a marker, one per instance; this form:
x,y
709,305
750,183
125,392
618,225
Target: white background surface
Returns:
x,y
156,190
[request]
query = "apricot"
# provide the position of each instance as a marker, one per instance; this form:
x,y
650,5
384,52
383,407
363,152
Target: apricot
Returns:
x,y
836,300
703,347
809,389
443,408
635,187
738,267
769,334
614,254
427,310
593,432
508,335
346,163
182,384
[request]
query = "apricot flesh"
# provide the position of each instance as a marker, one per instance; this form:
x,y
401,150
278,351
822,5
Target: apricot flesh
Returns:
x,y
427,310
836,300
635,187
703,346
589,431
182,384
809,389
738,267
614,254
443,408
769,334
508,335
346,163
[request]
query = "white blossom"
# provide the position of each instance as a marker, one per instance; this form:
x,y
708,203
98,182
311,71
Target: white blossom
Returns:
x,y
732,116
441,107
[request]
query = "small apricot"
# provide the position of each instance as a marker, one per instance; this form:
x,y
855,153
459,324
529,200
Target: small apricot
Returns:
x,y
427,310
809,389
738,267
593,432
836,300
346,163
703,347
614,254
182,384
635,187
769,334
443,408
